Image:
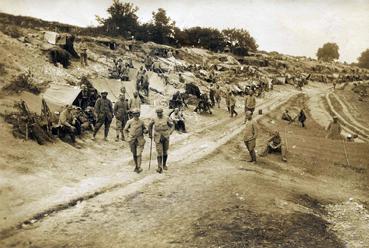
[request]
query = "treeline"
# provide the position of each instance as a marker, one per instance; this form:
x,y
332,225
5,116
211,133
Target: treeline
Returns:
x,y
123,21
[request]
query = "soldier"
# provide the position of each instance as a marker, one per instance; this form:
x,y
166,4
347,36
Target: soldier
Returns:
x,y
162,127
250,103
134,131
146,84
212,95
135,102
228,97
66,121
181,79
334,129
232,104
123,90
178,119
121,115
140,78
274,144
148,63
286,116
250,134
302,118
218,95
83,56
104,113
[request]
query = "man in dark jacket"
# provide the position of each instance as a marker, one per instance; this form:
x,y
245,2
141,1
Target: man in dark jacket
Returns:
x,y
104,113
302,118
121,115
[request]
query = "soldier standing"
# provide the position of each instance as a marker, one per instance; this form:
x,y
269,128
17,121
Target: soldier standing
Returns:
x,y
250,103
134,131
228,97
217,95
250,134
104,113
121,115
162,127
232,104
135,102
334,129
212,95
83,56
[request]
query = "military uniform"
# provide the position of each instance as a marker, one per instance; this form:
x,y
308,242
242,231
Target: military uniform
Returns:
x,y
228,100
249,137
135,103
163,128
83,57
334,130
104,112
232,105
65,122
218,96
250,103
121,115
134,133
275,144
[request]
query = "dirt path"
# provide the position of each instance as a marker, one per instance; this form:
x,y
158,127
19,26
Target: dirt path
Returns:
x,y
340,109
220,200
90,183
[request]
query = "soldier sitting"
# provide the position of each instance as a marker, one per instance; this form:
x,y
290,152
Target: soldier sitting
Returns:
x,y
65,122
179,121
274,144
286,117
203,104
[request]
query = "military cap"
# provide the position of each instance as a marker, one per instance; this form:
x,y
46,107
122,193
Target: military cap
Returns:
x,y
159,110
104,92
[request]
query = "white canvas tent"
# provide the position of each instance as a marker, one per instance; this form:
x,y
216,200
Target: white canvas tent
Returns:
x,y
58,96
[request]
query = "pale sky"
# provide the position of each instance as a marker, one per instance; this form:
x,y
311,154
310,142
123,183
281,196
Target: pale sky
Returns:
x,y
296,27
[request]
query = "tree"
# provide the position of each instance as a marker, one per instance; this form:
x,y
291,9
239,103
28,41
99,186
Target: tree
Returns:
x,y
240,38
328,52
208,38
162,27
364,59
122,19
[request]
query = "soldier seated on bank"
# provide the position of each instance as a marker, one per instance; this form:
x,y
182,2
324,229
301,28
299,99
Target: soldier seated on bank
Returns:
x,y
274,144
203,105
286,116
66,127
179,121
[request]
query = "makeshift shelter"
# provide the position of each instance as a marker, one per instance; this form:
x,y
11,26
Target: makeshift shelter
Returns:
x,y
57,96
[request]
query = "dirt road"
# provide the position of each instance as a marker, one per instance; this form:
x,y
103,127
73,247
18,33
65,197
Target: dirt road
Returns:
x,y
81,174
220,200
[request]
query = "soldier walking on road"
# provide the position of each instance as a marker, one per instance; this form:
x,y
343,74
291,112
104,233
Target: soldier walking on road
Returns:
x,y
232,105
228,99
217,95
163,127
250,103
250,134
104,113
212,95
121,115
134,132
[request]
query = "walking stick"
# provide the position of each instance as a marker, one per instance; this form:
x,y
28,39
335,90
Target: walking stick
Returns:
x,y
285,136
344,148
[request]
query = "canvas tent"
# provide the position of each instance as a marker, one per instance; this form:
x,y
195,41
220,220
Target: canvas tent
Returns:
x,y
57,96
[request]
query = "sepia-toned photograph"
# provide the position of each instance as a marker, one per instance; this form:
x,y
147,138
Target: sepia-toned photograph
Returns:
x,y
184,123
